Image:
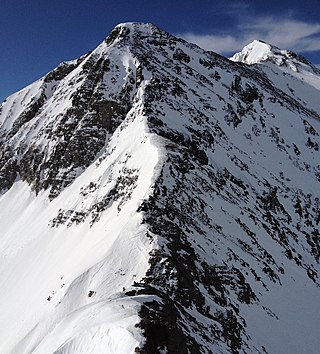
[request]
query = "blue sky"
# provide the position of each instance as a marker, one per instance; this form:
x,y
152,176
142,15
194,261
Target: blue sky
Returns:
x,y
36,35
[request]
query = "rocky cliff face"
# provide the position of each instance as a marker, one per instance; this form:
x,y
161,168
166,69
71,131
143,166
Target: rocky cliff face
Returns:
x,y
184,188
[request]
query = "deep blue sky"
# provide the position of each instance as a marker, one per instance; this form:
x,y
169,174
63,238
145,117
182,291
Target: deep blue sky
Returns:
x,y
36,35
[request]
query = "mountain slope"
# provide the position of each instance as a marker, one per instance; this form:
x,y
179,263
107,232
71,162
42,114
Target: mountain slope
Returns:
x,y
160,198
277,64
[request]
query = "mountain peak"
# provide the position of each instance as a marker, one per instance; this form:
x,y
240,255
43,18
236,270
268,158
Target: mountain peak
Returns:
x,y
259,51
134,32
136,25
157,198
255,52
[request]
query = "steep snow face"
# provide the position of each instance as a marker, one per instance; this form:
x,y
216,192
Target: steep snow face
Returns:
x,y
65,265
158,198
67,117
253,53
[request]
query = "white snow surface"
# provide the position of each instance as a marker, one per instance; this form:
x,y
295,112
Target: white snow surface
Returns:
x,y
66,285
254,52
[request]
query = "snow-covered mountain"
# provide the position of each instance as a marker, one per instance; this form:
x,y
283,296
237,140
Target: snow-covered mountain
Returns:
x,y
158,198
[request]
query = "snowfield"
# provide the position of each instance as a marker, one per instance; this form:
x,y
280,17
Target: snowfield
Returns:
x,y
66,285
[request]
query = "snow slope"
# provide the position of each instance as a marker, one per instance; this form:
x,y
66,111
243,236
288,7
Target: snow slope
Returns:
x,y
157,198
277,64
66,284
49,272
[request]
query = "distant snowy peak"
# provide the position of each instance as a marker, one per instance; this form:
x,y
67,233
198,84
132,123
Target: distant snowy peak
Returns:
x,y
260,51
253,53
